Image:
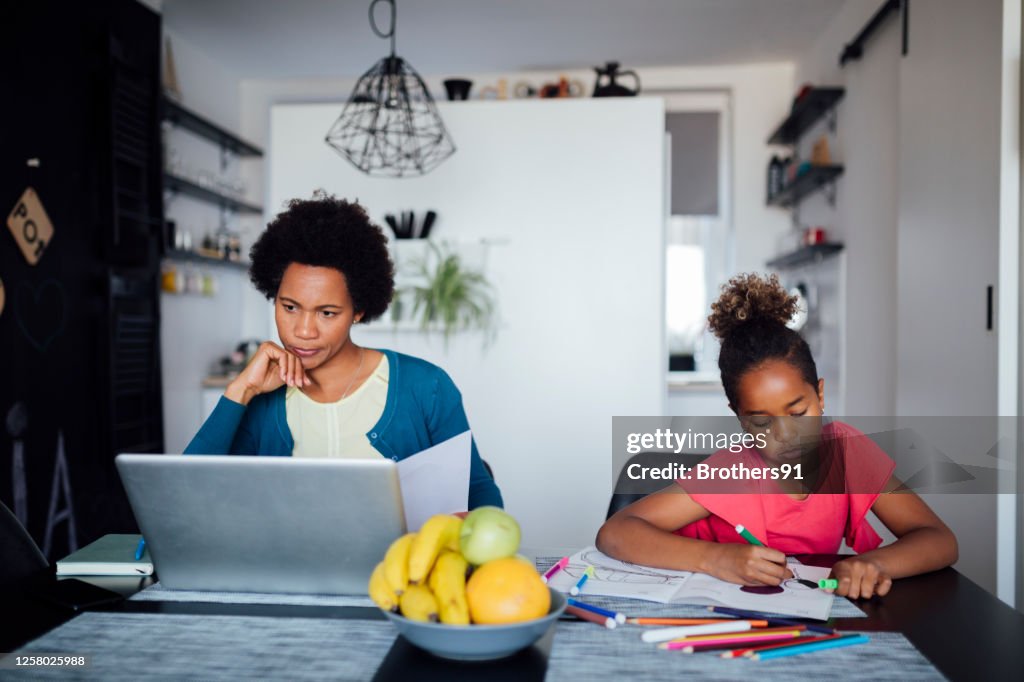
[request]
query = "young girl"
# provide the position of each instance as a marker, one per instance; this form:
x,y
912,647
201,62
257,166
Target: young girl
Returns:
x,y
772,385
318,394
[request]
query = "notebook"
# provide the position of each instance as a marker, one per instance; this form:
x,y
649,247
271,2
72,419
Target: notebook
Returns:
x,y
110,555
614,578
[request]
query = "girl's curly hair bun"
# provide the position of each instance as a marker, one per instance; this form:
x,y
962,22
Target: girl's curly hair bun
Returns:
x,y
749,297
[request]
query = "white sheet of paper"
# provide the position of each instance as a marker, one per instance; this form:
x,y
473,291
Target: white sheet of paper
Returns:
x,y
613,578
436,480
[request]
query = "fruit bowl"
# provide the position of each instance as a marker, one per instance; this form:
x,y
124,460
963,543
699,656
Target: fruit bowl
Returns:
x,y
478,642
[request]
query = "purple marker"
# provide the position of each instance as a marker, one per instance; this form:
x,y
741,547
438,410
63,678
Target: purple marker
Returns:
x,y
555,569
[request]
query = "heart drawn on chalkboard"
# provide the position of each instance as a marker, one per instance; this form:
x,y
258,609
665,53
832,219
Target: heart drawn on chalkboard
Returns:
x,y
41,312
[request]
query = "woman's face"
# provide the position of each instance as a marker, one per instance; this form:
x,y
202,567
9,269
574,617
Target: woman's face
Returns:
x,y
313,311
775,400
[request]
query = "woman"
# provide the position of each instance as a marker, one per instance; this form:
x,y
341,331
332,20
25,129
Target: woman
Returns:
x,y
318,394
772,385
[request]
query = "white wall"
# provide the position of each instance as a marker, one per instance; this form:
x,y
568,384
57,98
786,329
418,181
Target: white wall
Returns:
x,y
574,192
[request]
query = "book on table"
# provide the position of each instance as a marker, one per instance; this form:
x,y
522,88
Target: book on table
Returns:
x,y
112,554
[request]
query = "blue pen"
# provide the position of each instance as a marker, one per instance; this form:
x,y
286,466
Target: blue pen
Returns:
x,y
582,581
140,549
614,615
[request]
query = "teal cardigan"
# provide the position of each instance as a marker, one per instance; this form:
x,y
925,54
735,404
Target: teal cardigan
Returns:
x,y
423,408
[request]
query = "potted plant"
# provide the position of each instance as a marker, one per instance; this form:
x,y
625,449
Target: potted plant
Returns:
x,y
447,295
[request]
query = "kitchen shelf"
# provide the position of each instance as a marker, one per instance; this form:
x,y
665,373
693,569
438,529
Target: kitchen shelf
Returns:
x,y
176,183
806,112
806,183
805,255
193,122
193,257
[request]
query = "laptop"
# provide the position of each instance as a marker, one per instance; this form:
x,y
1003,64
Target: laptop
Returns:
x,y
264,524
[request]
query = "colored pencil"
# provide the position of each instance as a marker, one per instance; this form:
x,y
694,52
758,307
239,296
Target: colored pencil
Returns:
x,y
690,647
845,640
665,634
555,569
763,632
692,621
583,614
748,536
618,617
740,613
578,587
750,651
828,584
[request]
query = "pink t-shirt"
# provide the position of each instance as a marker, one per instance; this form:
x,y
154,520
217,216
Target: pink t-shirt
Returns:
x,y
854,471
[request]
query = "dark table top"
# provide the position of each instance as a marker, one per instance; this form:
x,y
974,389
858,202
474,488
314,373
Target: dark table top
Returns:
x,y
965,632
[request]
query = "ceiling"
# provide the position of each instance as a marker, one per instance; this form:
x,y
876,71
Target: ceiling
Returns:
x,y
270,39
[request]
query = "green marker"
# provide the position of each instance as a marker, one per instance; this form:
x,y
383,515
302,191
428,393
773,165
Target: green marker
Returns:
x,y
828,584
748,536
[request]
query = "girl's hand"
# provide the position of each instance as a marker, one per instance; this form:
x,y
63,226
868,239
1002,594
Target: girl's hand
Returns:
x,y
861,578
748,564
270,368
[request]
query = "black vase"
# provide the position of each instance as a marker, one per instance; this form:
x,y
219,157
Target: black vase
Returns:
x,y
457,89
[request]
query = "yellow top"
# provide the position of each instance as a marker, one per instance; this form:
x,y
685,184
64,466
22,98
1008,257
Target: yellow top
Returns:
x,y
338,429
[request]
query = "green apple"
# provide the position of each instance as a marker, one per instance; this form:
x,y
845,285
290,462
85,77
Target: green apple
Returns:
x,y
488,533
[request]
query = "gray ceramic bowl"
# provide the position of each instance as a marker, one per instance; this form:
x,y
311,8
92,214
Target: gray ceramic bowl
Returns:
x,y
478,642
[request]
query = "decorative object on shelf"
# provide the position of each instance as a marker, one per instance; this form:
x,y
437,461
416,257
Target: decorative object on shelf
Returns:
x,y
524,90
404,226
390,125
606,84
814,235
820,155
498,91
170,79
457,89
562,88
449,296
30,225
806,180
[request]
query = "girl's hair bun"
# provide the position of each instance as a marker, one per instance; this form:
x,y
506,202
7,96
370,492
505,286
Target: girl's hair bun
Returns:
x,y
747,298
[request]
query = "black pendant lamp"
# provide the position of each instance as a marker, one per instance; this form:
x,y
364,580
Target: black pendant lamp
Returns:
x,y
390,125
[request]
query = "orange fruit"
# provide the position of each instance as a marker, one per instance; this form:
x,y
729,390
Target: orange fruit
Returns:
x,y
506,590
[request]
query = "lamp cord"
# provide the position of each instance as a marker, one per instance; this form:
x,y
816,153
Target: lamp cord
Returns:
x,y
394,20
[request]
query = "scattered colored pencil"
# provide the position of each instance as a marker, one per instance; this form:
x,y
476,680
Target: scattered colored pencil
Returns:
x,y
590,616
578,587
845,640
748,536
762,632
666,634
740,613
828,584
750,651
690,647
692,621
555,569
618,617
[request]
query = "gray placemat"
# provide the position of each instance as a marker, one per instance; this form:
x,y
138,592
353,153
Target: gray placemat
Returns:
x,y
634,608
184,647
583,651
157,592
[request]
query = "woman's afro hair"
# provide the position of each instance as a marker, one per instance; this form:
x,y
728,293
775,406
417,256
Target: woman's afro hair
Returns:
x,y
327,232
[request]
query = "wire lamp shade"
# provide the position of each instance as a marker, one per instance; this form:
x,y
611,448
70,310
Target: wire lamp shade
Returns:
x,y
390,125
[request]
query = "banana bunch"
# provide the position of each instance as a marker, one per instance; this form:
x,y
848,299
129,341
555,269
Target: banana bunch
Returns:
x,y
423,575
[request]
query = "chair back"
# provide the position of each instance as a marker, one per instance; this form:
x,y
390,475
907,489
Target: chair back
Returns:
x,y
625,492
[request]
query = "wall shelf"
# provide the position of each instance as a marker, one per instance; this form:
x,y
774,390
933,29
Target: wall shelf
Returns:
x,y
179,184
805,255
193,122
806,183
806,112
193,257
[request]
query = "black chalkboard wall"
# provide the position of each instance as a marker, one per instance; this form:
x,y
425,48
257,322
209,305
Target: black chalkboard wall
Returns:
x,y
79,331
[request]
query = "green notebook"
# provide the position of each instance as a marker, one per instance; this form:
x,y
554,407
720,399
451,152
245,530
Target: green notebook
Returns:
x,y
112,554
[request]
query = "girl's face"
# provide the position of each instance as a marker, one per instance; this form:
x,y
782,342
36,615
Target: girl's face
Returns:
x,y
775,400
314,313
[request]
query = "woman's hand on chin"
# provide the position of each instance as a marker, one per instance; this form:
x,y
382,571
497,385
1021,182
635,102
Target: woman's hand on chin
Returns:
x,y
270,368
